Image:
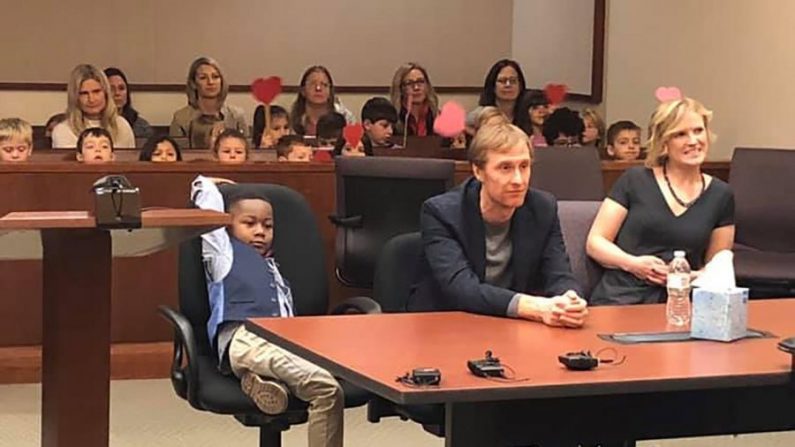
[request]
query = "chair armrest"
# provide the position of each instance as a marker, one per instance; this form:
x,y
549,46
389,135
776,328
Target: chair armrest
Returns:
x,y
184,370
347,222
357,305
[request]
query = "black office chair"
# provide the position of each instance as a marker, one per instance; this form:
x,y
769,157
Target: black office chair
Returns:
x,y
764,216
378,198
569,173
394,274
576,218
195,377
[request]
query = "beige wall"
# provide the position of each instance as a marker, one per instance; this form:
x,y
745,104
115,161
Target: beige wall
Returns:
x,y
362,42
553,41
736,56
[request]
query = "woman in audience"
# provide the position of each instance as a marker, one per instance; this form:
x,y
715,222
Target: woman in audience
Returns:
x,y
669,204
88,105
121,97
593,134
413,95
502,88
536,104
160,149
315,99
206,89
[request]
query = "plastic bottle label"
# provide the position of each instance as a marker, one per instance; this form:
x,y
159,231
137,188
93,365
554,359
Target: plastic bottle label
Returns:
x,y
678,281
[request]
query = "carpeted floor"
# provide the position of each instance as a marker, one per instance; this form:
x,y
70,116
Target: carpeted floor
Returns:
x,y
147,413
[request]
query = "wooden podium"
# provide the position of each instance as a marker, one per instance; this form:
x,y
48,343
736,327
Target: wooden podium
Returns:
x,y
77,258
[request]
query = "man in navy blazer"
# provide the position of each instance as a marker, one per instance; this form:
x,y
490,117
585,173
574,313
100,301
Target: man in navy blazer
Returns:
x,y
494,246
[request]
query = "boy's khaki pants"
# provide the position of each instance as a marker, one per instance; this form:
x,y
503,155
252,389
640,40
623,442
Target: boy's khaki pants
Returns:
x,y
306,381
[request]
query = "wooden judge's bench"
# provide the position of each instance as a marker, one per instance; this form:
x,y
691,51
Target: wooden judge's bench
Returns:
x,y
141,340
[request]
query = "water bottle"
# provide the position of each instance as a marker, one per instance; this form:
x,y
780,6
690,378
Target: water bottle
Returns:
x,y
677,307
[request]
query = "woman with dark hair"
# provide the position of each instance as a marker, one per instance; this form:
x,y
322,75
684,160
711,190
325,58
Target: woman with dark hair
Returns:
x,y
413,95
502,88
160,149
315,99
121,97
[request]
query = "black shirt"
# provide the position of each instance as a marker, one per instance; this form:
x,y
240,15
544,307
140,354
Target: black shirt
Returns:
x,y
651,228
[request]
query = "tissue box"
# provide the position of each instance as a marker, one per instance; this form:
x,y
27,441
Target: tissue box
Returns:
x,y
719,314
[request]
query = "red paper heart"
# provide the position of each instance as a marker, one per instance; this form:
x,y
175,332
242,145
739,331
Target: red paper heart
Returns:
x,y
555,93
665,94
322,155
353,134
266,89
451,120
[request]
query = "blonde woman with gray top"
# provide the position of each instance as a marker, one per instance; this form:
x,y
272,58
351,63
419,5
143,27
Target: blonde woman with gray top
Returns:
x,y
206,88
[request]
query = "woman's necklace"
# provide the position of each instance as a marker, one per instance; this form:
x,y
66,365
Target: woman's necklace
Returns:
x,y
671,189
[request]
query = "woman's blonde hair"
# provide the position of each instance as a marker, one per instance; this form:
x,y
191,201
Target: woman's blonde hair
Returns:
x,y
192,88
396,90
664,123
498,137
597,121
74,115
488,114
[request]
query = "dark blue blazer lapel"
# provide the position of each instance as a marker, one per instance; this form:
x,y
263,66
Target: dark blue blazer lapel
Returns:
x,y
474,230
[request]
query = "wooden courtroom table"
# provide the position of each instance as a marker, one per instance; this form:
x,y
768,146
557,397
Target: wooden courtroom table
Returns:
x,y
141,338
661,390
76,308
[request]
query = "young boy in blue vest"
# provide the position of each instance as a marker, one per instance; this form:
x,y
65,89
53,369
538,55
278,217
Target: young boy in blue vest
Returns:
x,y
243,281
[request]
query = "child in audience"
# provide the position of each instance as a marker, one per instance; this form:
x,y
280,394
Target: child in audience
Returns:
x,y
280,126
563,127
160,149
53,121
594,130
231,147
378,118
293,148
478,118
95,145
623,141
489,115
215,132
537,106
329,129
458,142
16,140
342,148
243,281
